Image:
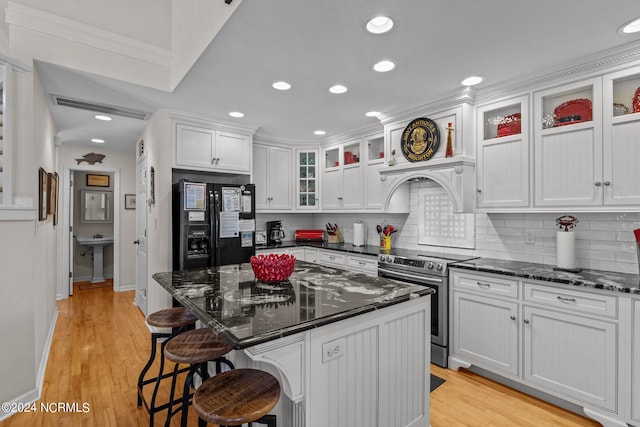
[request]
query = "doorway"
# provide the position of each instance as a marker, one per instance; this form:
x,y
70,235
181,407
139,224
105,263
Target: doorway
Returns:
x,y
72,201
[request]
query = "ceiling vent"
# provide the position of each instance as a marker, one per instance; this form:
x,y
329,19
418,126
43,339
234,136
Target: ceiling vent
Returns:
x,y
100,108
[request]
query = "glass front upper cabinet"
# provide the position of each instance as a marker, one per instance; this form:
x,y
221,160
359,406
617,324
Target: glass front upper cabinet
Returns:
x,y
307,179
626,95
375,149
503,121
569,107
352,153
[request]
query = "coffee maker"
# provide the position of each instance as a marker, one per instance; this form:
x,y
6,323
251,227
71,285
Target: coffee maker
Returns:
x,y
275,233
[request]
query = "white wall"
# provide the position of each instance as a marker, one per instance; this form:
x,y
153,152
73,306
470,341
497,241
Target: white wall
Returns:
x,y
28,267
157,141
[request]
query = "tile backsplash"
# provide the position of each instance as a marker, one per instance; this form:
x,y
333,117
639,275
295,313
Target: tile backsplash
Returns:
x,y
604,241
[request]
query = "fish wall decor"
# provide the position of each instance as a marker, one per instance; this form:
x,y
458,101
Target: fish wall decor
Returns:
x,y
91,158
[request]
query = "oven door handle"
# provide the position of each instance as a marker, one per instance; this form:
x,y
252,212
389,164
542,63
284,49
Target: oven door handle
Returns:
x,y
409,276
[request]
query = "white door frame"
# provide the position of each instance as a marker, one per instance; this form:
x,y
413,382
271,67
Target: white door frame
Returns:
x,y
64,287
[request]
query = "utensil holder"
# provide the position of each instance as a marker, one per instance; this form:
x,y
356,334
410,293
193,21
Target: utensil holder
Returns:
x,y
335,238
385,242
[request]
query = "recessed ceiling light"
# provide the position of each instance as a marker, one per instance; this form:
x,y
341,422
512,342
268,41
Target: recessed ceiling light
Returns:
x,y
97,140
102,117
338,89
281,86
236,114
631,27
319,132
372,114
384,66
472,80
379,24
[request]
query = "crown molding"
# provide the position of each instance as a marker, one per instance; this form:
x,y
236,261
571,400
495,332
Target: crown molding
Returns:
x,y
466,95
39,21
605,61
204,121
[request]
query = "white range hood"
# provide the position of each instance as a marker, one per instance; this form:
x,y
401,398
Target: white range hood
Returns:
x,y
455,174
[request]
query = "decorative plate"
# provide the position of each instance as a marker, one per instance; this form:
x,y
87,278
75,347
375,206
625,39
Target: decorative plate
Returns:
x,y
509,125
420,140
574,111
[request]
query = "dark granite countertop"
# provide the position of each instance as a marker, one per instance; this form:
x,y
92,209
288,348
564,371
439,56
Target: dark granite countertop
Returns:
x,y
342,247
606,280
245,312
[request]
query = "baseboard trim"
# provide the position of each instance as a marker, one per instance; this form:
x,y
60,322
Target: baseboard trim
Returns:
x,y
34,395
127,288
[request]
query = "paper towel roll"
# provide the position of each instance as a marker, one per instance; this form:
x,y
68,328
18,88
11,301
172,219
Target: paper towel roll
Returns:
x,y
358,233
566,249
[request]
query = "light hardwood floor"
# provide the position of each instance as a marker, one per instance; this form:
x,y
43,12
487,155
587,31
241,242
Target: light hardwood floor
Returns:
x,y
101,343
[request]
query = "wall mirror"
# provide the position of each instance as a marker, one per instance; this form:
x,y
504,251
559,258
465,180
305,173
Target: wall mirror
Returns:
x,y
96,206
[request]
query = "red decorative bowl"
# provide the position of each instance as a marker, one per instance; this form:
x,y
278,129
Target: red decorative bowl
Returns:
x,y
272,268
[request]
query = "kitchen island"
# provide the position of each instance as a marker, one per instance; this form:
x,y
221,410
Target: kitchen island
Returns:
x,y
348,349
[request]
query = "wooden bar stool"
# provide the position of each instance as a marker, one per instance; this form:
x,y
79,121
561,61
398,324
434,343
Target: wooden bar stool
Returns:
x,y
236,397
196,348
179,319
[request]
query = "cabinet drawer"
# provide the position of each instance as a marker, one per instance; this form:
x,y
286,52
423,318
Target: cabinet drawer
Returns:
x,y
485,284
363,263
576,301
332,258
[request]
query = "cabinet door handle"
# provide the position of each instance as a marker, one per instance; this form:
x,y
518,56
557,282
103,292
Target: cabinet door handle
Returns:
x,y
362,263
213,160
479,190
598,183
217,161
607,183
563,299
484,285
513,317
526,321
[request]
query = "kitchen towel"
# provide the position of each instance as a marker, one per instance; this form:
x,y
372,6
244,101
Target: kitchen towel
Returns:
x,y
358,233
566,255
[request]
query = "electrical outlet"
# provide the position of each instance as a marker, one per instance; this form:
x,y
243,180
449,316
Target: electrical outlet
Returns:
x,y
529,237
332,350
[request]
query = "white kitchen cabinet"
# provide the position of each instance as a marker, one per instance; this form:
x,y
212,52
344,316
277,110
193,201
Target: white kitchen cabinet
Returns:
x,y
621,176
568,165
560,340
502,166
272,175
311,255
373,184
307,179
367,264
485,328
571,355
635,358
206,148
332,258
342,177
485,331
299,253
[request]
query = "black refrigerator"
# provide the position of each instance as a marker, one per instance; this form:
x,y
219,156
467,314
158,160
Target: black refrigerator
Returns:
x,y
213,224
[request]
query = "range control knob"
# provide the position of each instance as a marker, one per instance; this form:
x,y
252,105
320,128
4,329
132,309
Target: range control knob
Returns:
x,y
438,266
430,265
389,259
382,258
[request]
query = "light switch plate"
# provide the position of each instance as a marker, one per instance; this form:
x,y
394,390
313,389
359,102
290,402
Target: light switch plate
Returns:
x,y
332,350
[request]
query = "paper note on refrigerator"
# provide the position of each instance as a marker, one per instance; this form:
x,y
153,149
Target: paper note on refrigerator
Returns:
x,y
230,199
229,226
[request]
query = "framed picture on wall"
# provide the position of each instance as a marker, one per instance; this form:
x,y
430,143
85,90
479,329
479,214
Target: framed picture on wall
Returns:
x,y
97,180
43,188
129,201
52,205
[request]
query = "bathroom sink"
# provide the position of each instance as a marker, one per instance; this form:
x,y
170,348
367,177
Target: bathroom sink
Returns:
x,y
97,242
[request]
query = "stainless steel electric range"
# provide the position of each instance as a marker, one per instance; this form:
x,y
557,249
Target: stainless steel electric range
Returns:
x,y
432,270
